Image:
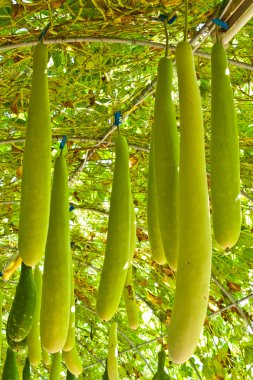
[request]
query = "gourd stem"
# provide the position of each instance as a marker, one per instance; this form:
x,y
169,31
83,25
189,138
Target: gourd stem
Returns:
x,y
167,37
186,20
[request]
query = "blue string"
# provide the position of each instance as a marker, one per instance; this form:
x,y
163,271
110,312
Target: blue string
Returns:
x,y
71,208
118,118
220,23
63,142
163,17
170,21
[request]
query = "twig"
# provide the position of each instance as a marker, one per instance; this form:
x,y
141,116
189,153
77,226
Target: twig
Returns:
x,y
234,303
70,40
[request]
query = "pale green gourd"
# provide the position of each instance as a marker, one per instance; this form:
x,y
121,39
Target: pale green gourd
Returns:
x,y
224,153
117,254
36,178
112,358
56,287
194,260
55,370
166,160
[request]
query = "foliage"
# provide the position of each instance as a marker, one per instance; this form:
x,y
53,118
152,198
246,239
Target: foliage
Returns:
x,y
88,83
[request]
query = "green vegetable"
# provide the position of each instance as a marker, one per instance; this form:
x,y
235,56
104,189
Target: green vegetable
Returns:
x,y
10,370
23,307
36,178
55,371
73,361
117,255
33,338
194,263
225,160
27,370
166,161
45,356
112,358
154,233
161,374
56,287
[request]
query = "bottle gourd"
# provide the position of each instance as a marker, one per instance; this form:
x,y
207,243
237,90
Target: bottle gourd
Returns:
x,y
224,153
194,258
117,254
36,178
166,159
56,285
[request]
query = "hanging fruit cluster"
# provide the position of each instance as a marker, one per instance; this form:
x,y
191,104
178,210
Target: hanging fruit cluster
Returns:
x,y
178,217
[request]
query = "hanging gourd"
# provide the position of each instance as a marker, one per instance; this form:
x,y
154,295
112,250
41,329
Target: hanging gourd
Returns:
x,y
195,246
36,178
112,358
117,254
224,153
56,284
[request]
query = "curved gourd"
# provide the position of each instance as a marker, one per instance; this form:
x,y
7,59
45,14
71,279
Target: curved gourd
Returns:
x,y
33,338
112,358
10,369
22,311
117,254
55,371
166,160
224,154
154,234
36,179
56,287
194,260
73,361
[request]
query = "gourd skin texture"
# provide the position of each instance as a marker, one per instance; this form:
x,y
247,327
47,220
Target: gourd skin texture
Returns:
x,y
194,264
73,361
23,307
117,254
10,370
112,358
154,234
166,160
33,338
55,371
36,179
56,287
225,161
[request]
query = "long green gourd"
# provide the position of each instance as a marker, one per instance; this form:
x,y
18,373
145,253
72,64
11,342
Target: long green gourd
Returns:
x,y
56,287
194,264
55,371
166,161
36,178
73,361
154,233
10,369
26,370
224,154
70,376
70,341
112,358
22,311
117,254
33,338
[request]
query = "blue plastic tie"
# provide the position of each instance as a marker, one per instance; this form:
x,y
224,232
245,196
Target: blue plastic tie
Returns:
x,y
173,18
118,118
63,142
44,32
1,274
71,208
220,23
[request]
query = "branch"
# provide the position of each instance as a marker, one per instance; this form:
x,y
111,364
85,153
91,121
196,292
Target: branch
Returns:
x,y
133,41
